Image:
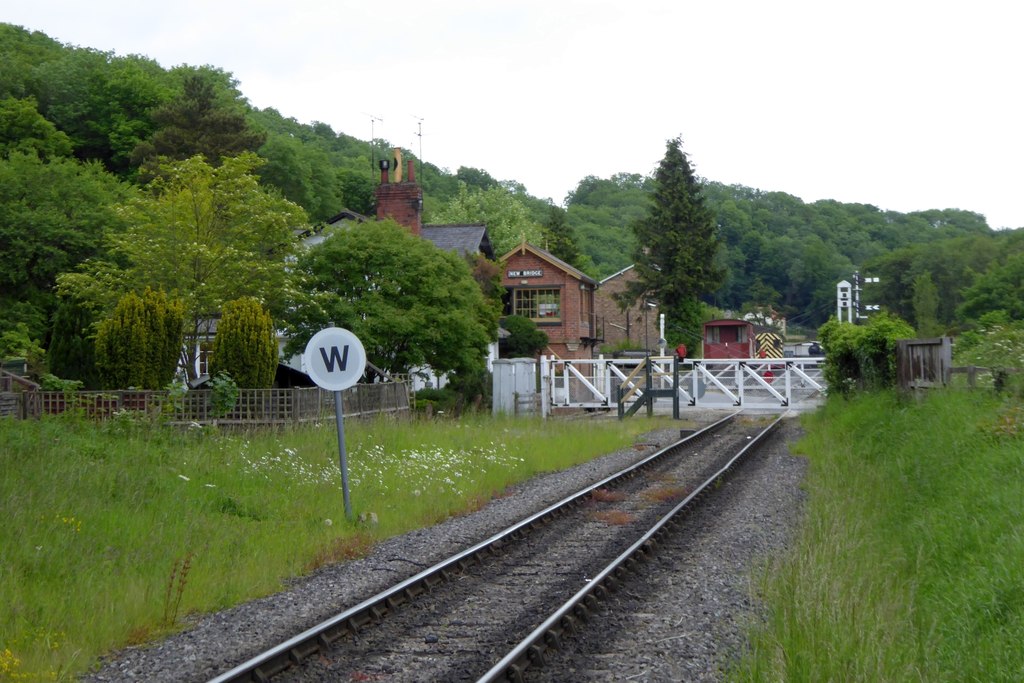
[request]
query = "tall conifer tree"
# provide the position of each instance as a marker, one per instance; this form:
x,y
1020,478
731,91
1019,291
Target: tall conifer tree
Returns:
x,y
201,121
676,245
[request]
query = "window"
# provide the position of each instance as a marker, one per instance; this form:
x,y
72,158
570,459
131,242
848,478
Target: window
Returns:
x,y
203,360
540,305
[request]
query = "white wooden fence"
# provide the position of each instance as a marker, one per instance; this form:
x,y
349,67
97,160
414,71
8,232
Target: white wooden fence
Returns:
x,y
605,383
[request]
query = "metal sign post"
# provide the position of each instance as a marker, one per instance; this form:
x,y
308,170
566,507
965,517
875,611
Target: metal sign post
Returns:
x,y
335,359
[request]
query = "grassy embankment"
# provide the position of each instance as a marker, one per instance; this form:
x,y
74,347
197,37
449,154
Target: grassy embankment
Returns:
x,y
113,532
910,565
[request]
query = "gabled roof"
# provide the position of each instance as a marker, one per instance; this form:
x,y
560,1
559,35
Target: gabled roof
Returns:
x,y
618,274
462,238
545,255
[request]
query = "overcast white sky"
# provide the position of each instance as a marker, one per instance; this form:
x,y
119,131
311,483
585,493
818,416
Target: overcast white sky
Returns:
x,y
906,105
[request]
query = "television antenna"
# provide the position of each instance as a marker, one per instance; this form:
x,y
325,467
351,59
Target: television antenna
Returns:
x,y
419,134
373,144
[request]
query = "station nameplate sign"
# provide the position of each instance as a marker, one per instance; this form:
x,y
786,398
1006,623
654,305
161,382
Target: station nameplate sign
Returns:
x,y
535,272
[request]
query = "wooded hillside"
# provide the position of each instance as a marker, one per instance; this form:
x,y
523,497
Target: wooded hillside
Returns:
x,y
82,131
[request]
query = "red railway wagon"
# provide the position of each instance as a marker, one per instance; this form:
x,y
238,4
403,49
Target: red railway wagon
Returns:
x,y
729,339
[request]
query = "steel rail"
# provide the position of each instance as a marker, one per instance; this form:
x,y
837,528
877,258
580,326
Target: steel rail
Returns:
x,y
532,649
293,651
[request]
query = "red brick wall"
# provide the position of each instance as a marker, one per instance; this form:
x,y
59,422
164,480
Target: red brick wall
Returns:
x,y
615,320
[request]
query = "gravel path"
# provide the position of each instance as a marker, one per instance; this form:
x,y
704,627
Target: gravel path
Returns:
x,y
685,623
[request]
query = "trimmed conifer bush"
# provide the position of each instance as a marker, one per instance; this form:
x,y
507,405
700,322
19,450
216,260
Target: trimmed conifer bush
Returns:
x,y
139,345
246,344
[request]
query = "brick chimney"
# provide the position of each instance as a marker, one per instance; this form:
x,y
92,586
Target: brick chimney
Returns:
x,y
401,201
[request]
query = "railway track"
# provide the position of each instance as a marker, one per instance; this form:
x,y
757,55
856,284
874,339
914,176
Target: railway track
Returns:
x,y
496,609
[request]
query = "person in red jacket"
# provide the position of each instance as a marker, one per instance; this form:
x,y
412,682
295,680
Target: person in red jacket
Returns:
x,y
681,351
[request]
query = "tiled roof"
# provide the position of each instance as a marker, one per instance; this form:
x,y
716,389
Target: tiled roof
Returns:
x,y
460,238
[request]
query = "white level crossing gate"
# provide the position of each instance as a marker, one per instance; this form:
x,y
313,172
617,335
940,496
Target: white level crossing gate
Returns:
x,y
627,383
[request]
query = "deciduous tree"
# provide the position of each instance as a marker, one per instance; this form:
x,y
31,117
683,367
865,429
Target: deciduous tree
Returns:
x,y
303,174
410,303
22,52
926,306
525,339
356,191
600,212
508,222
1000,288
17,342
52,217
102,102
23,129
208,234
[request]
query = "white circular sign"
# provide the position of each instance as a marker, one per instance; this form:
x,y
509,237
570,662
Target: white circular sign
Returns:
x,y
334,358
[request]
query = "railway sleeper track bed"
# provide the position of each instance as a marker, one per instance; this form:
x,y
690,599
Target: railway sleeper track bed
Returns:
x,y
503,607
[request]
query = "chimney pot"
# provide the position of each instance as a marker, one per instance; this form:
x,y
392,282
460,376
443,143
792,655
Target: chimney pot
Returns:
x,y
411,171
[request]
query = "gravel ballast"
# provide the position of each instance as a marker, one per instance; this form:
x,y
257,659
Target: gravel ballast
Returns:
x,y
682,619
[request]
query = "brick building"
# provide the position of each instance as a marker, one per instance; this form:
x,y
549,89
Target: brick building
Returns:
x,y
556,296
625,327
539,285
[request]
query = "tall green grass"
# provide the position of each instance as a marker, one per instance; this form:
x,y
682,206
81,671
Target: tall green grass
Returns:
x,y
910,564
111,533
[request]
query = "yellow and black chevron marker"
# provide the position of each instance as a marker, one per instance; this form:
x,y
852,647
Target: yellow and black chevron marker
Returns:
x,y
769,345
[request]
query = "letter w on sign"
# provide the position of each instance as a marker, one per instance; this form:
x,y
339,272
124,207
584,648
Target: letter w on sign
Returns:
x,y
340,358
